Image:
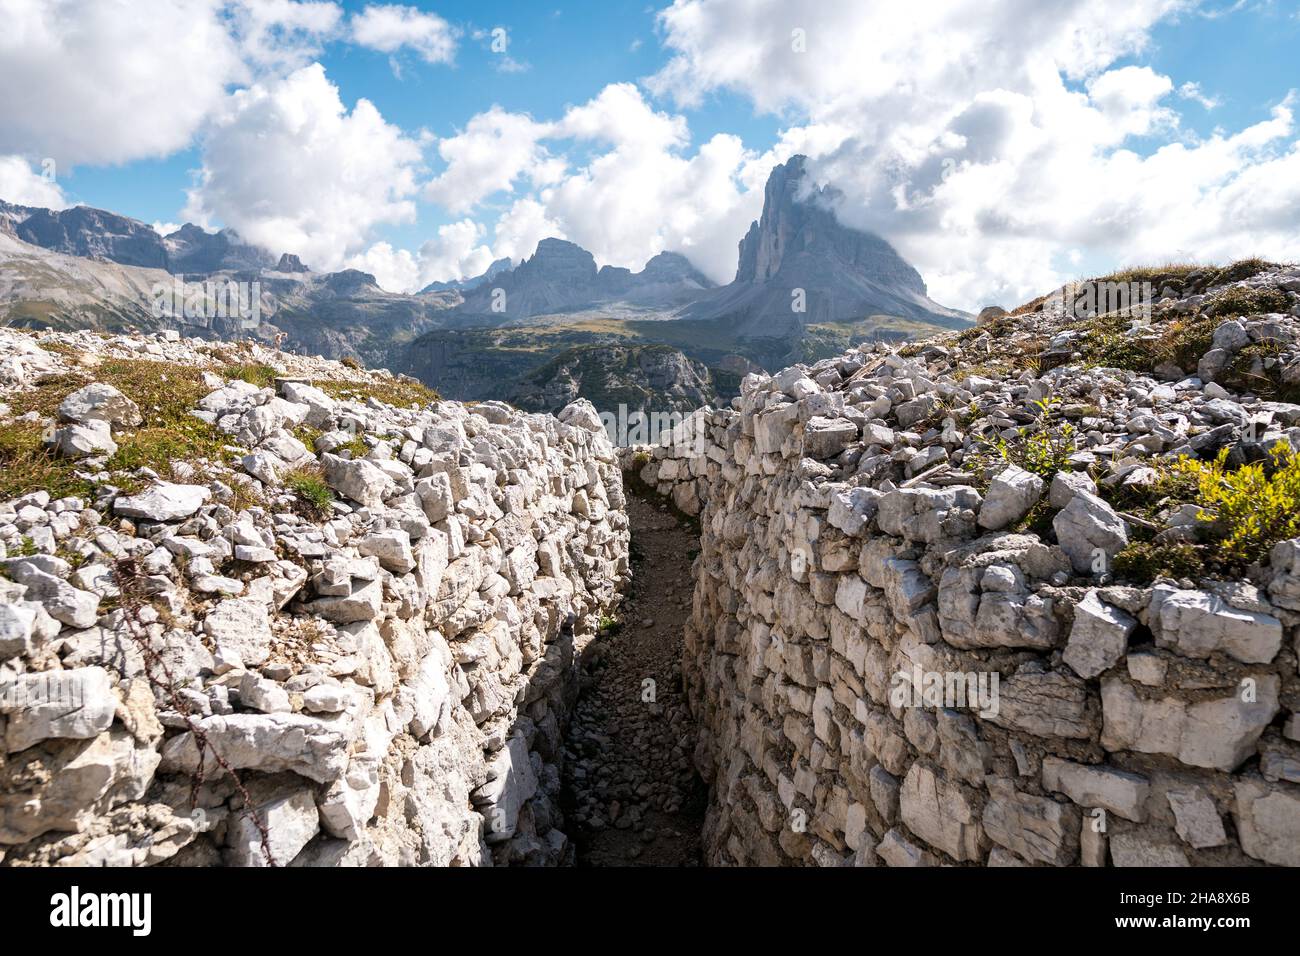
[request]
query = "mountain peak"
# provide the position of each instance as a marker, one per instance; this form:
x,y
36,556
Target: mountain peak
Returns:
x,y
798,223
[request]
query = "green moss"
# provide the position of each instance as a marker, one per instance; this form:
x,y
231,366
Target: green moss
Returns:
x,y
26,466
1239,301
165,394
1181,342
396,391
356,445
307,435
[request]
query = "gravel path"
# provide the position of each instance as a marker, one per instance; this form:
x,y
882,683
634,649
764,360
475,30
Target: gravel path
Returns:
x,y
632,795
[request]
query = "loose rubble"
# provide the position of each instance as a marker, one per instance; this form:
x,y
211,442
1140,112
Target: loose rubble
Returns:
x,y
633,795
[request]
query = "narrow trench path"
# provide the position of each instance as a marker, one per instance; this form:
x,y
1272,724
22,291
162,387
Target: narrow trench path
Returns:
x,y
631,795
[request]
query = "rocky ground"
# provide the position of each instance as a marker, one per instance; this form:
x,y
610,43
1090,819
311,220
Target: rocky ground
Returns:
x,y
632,795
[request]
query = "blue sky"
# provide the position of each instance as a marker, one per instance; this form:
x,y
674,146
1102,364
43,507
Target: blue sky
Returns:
x,y
1072,135
570,53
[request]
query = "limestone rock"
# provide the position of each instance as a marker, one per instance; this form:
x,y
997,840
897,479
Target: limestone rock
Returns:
x,y
1099,636
1012,493
1088,525
100,402
164,501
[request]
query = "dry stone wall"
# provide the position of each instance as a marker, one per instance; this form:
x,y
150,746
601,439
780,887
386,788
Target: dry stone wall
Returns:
x,y
886,672
386,684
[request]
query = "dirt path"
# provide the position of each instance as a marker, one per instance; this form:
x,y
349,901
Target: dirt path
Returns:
x,y
632,796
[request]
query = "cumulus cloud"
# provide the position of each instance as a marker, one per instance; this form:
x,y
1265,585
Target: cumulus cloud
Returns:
x,y
389,28
106,82
24,186
494,150
289,167
637,190
457,251
283,34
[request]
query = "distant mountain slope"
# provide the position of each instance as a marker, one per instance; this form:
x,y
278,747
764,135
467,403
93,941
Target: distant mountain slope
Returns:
x,y
645,378
99,234
96,234
334,314
464,285
480,337
561,278
192,250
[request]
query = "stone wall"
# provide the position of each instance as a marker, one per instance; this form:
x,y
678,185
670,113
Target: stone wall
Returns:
x,y
389,682
846,567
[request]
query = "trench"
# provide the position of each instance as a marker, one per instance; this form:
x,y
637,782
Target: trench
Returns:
x,y
631,795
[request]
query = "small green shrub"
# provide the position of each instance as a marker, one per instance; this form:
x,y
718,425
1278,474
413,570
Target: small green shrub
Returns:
x,y
1044,452
1144,561
307,482
1252,507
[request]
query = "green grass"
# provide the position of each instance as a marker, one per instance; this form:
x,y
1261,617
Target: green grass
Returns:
x,y
26,466
1143,561
314,497
165,393
402,392
255,373
1239,301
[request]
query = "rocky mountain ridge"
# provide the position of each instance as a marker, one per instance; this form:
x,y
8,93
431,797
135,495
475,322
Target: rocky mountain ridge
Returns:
x,y
99,234
799,248
88,268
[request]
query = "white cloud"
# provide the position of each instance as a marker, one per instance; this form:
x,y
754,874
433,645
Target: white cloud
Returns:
x,y
999,145
284,34
395,270
290,168
24,186
456,252
522,227
390,27
635,190
107,82
1192,91
494,150
117,80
